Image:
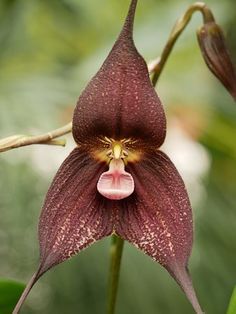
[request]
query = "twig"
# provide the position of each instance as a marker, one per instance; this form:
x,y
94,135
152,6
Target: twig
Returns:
x,y
16,141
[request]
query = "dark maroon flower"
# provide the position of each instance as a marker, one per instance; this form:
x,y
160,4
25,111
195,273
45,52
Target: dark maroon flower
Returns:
x,y
215,53
117,180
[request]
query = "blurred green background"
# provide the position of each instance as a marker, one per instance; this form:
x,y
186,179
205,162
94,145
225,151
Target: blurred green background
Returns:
x,y
48,52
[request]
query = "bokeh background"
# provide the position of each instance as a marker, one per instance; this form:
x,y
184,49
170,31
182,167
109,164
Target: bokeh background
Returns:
x,y
48,52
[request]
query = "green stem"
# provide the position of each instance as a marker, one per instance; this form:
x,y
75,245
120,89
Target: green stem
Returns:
x,y
177,30
116,250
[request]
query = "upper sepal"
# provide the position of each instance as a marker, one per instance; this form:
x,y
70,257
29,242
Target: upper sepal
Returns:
x,y
215,53
120,101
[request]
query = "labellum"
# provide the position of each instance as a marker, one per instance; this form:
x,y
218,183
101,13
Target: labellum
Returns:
x,y
117,180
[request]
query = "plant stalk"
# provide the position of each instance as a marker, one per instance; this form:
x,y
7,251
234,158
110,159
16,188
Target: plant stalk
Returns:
x,y
158,66
116,250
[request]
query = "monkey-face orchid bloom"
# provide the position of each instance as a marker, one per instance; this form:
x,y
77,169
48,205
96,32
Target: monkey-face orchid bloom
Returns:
x,y
117,181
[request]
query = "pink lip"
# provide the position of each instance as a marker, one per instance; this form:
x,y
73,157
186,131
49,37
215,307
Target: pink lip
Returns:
x,y
116,183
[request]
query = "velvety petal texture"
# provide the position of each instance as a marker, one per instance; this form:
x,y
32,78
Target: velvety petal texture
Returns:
x,y
120,101
158,219
74,214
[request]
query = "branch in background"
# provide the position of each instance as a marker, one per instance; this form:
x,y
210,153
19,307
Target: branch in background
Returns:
x,y
16,141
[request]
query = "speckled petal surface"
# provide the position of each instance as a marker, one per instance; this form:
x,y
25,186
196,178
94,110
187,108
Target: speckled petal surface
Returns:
x,y
120,101
157,218
74,214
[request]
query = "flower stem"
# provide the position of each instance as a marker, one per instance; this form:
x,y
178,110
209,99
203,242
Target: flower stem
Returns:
x,y
116,250
157,67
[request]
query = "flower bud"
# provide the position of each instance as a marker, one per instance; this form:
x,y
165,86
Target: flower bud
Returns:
x,y
215,53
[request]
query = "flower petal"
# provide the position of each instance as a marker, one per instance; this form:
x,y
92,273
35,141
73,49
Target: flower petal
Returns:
x,y
74,214
120,101
157,218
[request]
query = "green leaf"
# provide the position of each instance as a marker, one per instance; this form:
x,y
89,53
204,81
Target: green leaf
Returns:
x,y
10,292
232,303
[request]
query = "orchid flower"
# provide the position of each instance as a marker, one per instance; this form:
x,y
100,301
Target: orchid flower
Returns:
x,y
117,180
